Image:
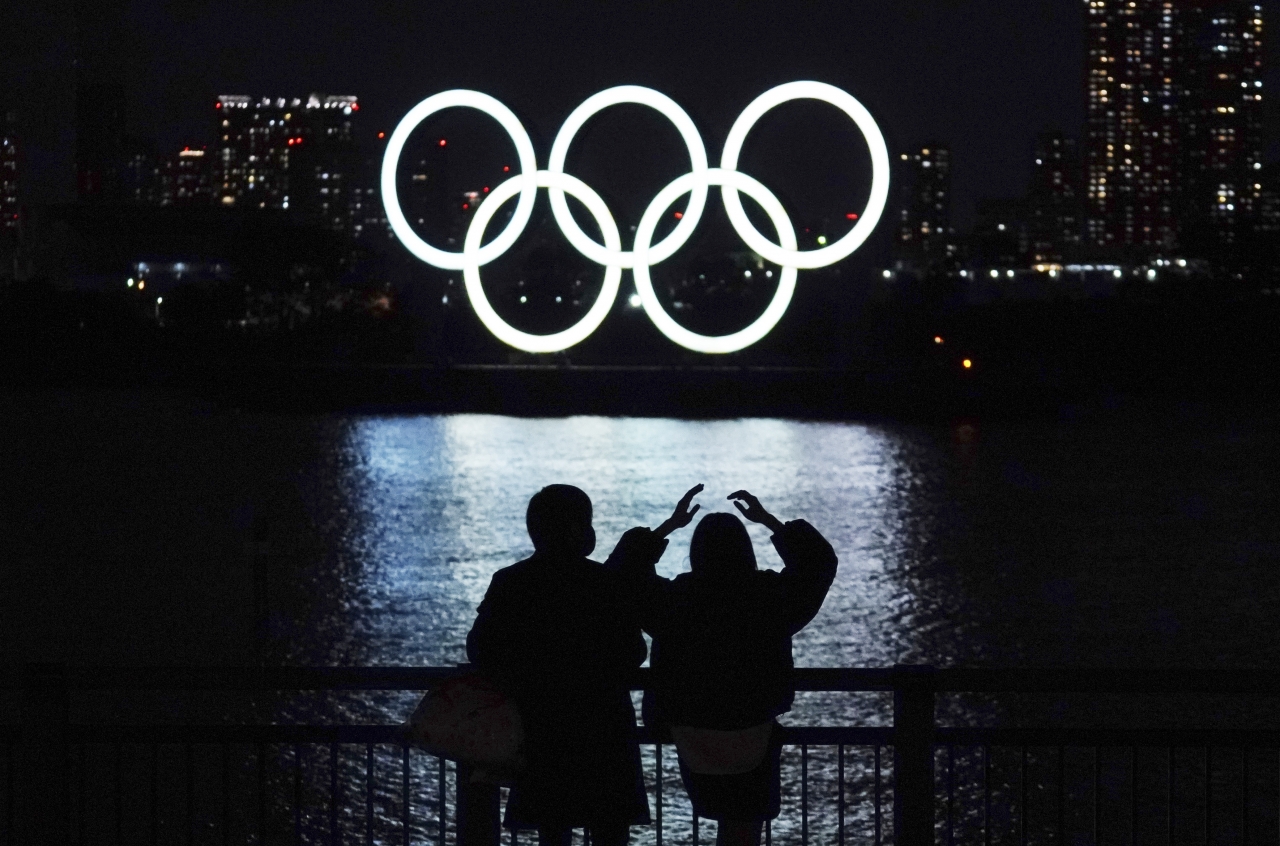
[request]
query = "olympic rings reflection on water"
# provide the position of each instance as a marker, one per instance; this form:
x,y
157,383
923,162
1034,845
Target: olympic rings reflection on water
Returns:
x,y
644,255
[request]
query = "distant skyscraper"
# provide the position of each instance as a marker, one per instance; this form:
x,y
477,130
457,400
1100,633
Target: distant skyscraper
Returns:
x,y
1002,233
140,173
924,216
287,153
1173,98
1054,202
186,179
1227,117
1135,89
10,215
323,170
368,216
1267,213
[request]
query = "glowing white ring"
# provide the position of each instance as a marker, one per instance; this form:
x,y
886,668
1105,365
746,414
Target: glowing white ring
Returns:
x,y
391,200
669,109
844,247
504,331
730,179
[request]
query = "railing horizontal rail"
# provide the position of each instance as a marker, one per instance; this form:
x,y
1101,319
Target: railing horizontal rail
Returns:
x,y
1105,737
1108,680
793,735
323,734
840,679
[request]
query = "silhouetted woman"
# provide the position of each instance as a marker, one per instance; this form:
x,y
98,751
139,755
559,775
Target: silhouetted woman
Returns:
x,y
558,634
721,652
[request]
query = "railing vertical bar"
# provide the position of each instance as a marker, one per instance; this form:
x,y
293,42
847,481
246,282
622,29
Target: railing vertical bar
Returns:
x,y
262,792
951,794
804,794
191,794
1062,794
117,790
768,833
1244,796
986,795
81,756
1097,794
840,794
334,838
1133,796
1172,806
1022,808
657,788
297,795
440,790
226,794
695,828
404,793
10,786
368,794
877,797
1208,794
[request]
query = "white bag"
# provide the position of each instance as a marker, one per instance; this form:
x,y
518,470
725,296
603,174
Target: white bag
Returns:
x,y
468,719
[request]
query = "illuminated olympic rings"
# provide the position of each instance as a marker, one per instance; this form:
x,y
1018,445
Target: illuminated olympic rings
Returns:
x,y
644,254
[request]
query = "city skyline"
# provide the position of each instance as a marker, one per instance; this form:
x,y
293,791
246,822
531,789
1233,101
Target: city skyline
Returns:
x,y
983,81
1164,179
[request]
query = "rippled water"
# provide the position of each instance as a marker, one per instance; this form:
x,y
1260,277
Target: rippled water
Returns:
x,y
439,505
1113,535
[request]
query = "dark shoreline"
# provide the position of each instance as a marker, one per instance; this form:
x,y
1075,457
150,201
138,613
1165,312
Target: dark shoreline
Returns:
x,y
924,394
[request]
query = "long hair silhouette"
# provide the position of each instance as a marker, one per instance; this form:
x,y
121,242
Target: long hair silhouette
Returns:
x,y
721,547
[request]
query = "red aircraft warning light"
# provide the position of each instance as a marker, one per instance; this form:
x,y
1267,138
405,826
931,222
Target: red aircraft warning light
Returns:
x,y
443,142
851,216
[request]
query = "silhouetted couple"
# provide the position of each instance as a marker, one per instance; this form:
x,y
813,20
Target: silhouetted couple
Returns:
x,y
561,634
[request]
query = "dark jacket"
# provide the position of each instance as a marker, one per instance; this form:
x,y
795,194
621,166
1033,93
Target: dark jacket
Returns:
x,y
721,652
557,636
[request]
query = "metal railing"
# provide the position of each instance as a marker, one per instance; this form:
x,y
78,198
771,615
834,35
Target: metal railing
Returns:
x,y
946,784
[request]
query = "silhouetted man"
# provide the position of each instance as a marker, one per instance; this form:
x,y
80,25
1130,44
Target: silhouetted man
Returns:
x,y
556,633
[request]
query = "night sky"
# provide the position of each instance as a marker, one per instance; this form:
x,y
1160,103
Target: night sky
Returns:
x,y
981,76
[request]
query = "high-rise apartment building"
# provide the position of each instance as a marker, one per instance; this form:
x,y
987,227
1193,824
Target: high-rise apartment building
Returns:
x,y
140,173
368,216
186,179
1136,91
1267,214
10,214
1053,207
1226,157
924,216
1173,98
287,153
